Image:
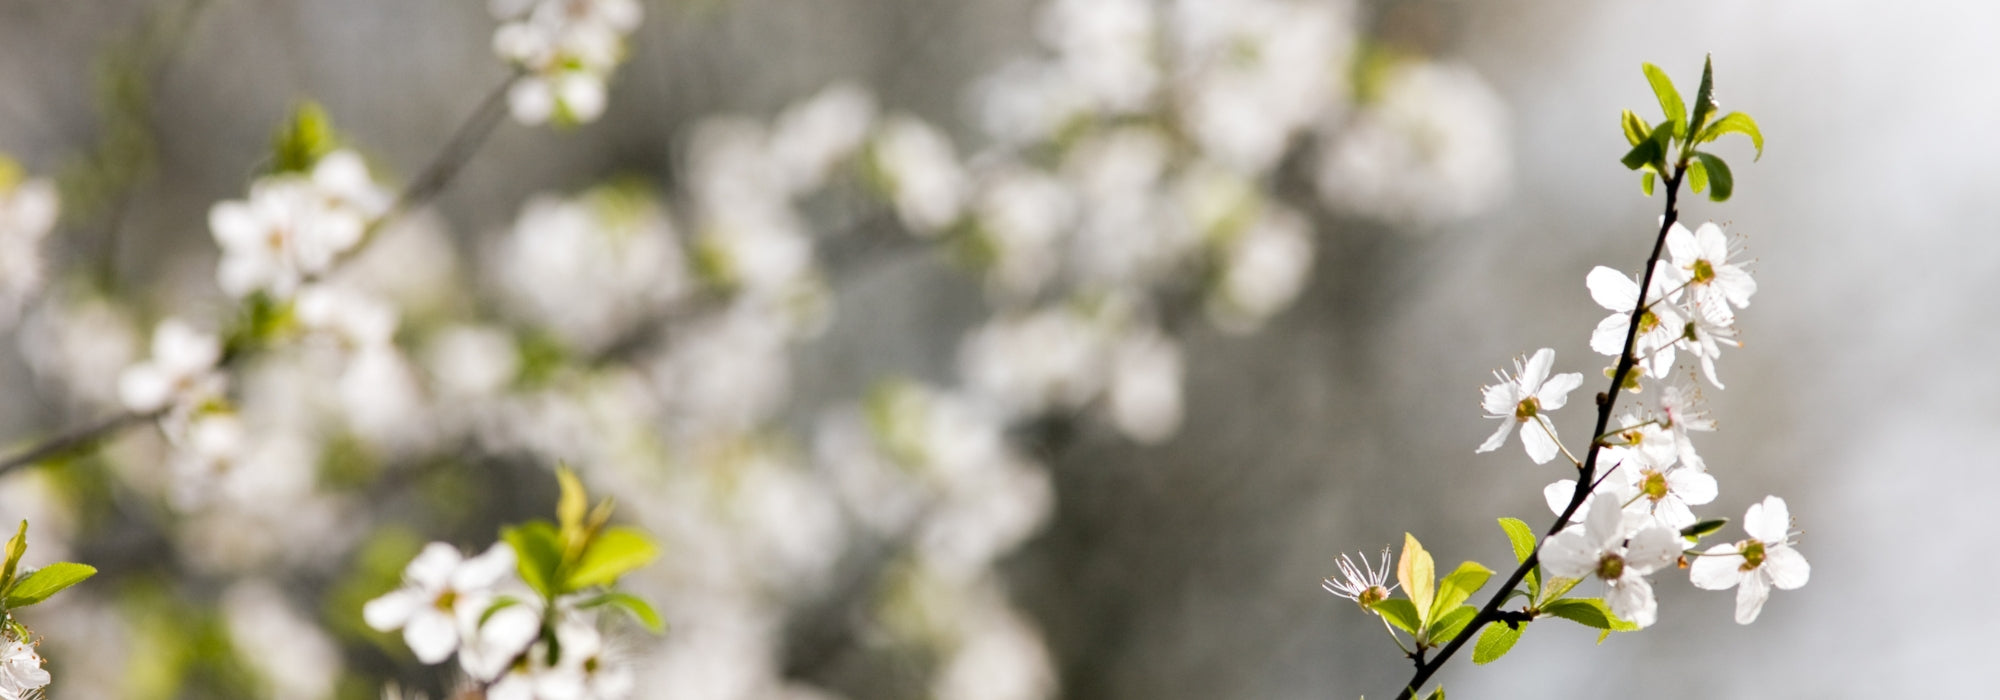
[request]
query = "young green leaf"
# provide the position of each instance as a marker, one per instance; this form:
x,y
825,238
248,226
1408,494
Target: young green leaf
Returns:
x,y
1559,586
1437,694
631,604
1399,612
571,503
1635,128
501,603
611,554
537,554
1589,612
1697,176
1496,640
1417,573
16,546
303,140
1704,98
1445,628
1734,123
45,582
1670,99
1646,182
1703,529
1719,178
1457,587
1519,534
1643,154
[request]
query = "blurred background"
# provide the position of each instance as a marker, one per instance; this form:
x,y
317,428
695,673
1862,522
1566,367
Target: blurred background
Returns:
x,y
917,413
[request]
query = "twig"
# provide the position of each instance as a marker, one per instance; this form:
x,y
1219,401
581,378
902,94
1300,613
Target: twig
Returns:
x,y
75,439
1584,484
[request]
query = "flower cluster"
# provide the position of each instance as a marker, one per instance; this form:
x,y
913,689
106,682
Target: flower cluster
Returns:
x,y
566,50
28,208
295,225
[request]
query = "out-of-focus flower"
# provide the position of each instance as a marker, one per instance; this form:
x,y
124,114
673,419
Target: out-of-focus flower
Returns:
x,y
1263,269
1431,147
1145,392
28,209
296,657
439,586
181,371
921,173
567,50
293,227
590,268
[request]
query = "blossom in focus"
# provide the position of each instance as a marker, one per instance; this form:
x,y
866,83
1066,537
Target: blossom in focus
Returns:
x,y
181,371
439,586
21,671
1659,324
1523,398
1702,261
1755,565
1605,548
1363,584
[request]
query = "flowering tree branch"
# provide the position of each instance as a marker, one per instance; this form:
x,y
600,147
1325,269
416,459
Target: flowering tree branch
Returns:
x,y
435,177
1585,482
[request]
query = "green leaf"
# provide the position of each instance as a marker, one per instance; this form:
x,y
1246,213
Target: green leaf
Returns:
x,y
1718,176
1495,641
1437,694
611,554
1559,586
45,582
1646,182
303,140
1703,529
1399,612
632,604
1697,176
1704,98
501,603
1445,628
537,554
1589,612
1519,534
1734,123
1635,128
16,546
572,503
1417,573
1458,586
1670,99
1643,154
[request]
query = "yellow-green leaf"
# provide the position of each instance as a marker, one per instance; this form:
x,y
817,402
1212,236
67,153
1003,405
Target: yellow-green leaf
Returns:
x,y
1417,573
611,554
1670,99
1447,627
1496,640
537,554
1399,612
46,581
1721,182
16,546
1635,128
1734,123
631,604
1458,586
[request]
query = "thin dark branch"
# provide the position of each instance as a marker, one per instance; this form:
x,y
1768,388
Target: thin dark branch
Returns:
x,y
76,439
1584,483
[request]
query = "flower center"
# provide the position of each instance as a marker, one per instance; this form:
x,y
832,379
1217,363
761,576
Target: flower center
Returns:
x,y
1373,595
1703,272
1687,332
445,600
1527,408
1753,555
1654,485
1648,322
1611,567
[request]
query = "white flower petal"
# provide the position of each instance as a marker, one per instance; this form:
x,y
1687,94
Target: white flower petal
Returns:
x,y
1631,599
1768,521
432,568
1786,567
1652,549
1612,290
393,609
1537,370
1716,569
1750,596
1499,437
1539,438
1555,393
1558,495
484,570
1691,485
1570,554
432,635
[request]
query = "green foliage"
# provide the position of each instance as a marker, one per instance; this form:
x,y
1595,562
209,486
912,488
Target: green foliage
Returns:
x,y
1417,573
1734,123
305,138
1457,587
1635,128
1496,640
1695,532
1437,694
1704,98
1670,99
1589,612
1721,183
537,555
612,554
1447,627
1522,537
1697,176
1401,613
631,604
46,581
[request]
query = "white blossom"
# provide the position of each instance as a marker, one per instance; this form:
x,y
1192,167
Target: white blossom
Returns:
x,y
440,586
1755,565
21,672
923,175
1605,548
567,50
28,210
1702,262
180,372
1659,324
1524,398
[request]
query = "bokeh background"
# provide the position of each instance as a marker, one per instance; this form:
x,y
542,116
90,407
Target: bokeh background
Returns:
x,y
1189,567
